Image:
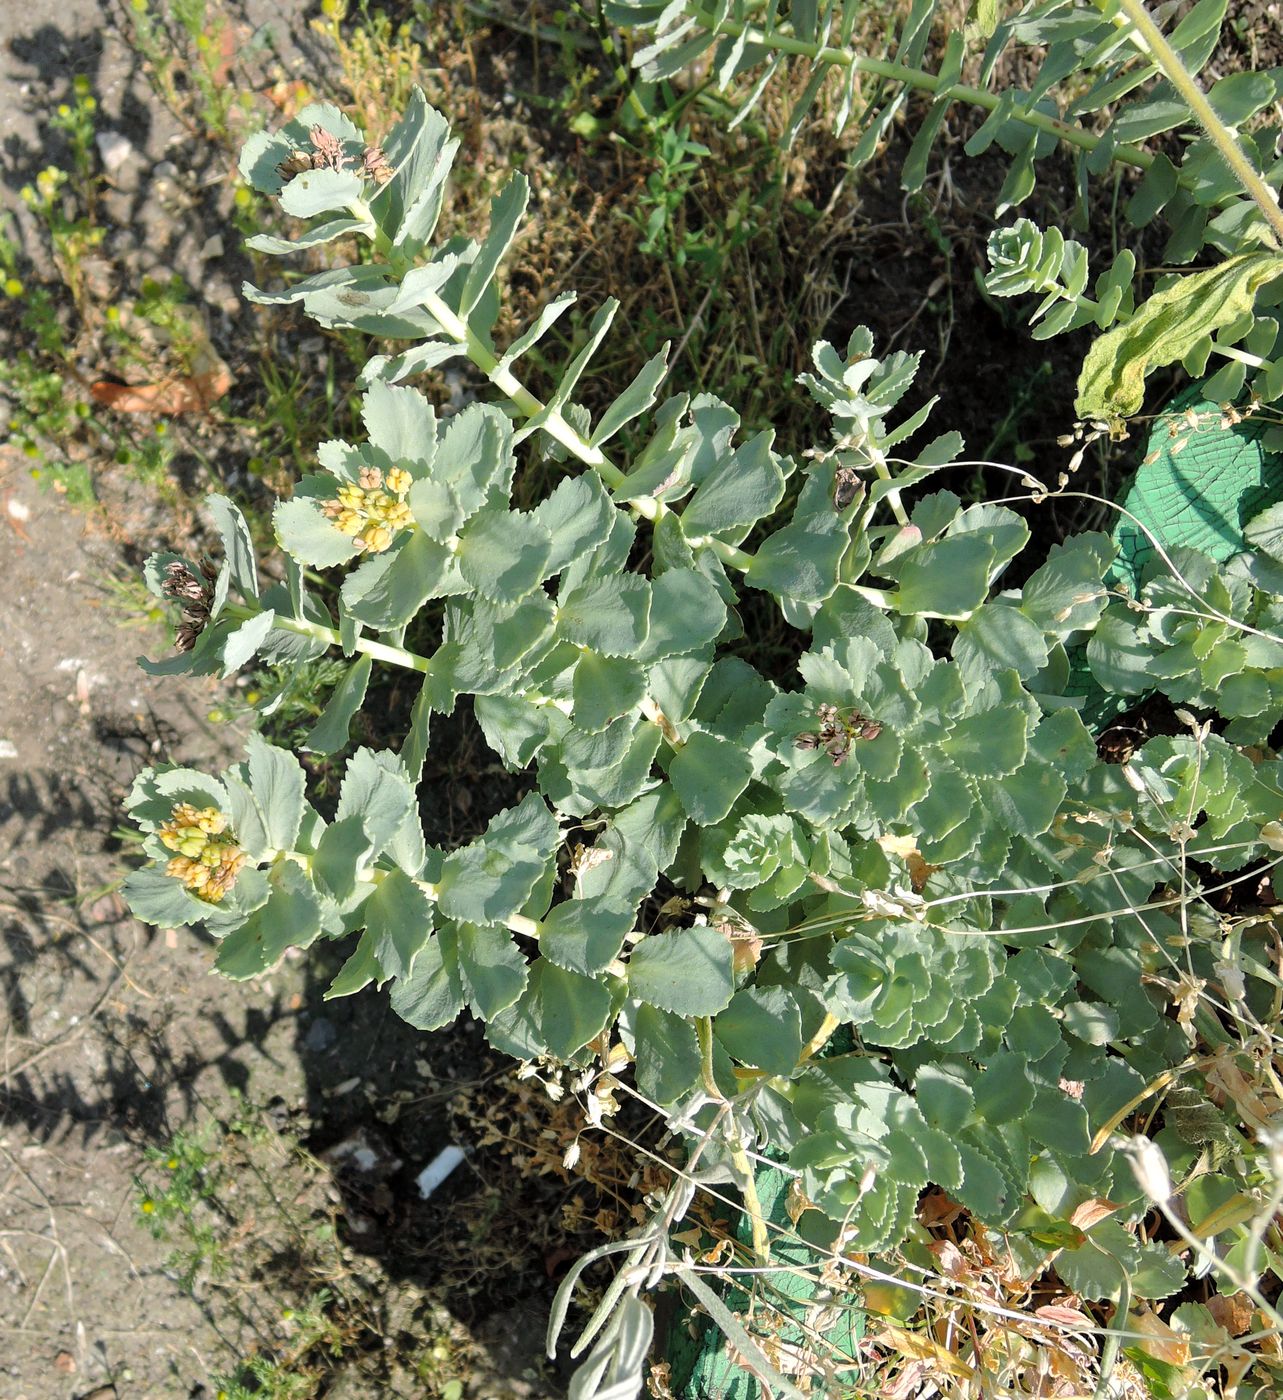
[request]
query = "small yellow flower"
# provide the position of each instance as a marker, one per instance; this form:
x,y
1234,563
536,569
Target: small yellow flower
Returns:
x,y
208,858
148,1206
172,1164
48,180
13,287
399,481
64,110
366,513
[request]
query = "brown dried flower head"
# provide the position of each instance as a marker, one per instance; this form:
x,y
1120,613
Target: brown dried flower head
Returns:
x,y
195,594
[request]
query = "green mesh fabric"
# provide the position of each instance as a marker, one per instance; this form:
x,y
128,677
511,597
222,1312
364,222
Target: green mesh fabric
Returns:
x,y
828,1326
696,1349
1201,480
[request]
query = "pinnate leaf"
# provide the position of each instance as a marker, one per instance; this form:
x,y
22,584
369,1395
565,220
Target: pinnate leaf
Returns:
x,y
493,967
291,918
433,994
583,935
762,1026
610,615
399,917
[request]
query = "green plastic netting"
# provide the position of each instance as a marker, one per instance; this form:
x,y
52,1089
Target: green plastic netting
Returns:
x,y
1201,480
789,1314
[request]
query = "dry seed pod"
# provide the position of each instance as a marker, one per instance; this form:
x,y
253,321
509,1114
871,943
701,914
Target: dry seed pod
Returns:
x,y
375,165
329,149
846,486
294,164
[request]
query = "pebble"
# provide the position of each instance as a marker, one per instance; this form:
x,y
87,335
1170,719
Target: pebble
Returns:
x,y
114,149
320,1035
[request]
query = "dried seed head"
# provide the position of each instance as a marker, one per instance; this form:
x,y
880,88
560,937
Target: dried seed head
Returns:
x,y
329,149
179,582
375,165
846,486
196,595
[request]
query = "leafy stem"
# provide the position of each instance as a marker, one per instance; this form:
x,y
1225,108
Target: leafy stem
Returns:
x,y
745,1178
1195,98
380,651
556,426
917,78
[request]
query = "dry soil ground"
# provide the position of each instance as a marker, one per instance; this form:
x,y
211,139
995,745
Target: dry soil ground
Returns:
x,y
114,1036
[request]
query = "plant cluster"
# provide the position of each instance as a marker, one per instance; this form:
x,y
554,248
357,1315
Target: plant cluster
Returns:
x,y
890,916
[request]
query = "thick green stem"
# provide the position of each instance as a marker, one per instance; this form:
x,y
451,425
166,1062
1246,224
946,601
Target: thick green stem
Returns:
x,y
1174,70
739,1158
507,383
380,651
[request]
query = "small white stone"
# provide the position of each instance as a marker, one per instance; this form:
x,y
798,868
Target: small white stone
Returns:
x,y
212,248
114,149
8,749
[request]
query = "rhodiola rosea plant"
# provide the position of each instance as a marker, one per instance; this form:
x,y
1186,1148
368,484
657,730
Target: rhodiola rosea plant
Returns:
x,y
888,916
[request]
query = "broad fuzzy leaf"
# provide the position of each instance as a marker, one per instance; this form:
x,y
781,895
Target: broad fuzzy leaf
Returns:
x,y
688,972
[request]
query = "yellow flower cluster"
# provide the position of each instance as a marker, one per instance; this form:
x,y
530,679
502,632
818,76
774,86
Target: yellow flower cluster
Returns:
x,y
208,859
374,512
